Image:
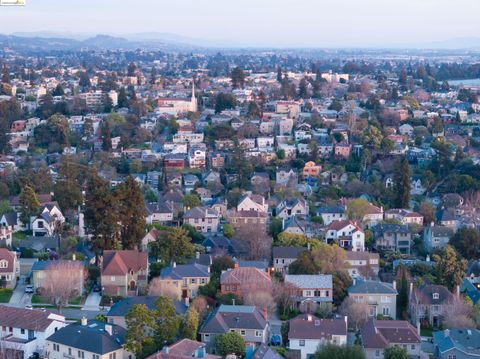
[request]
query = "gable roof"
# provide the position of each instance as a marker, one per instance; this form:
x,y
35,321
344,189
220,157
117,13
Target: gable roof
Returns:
x,y
121,262
307,326
379,334
185,270
228,317
372,287
121,308
245,275
308,281
287,252
183,349
31,319
10,257
463,339
424,295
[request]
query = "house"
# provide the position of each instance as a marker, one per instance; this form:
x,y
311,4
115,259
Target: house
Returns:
x,y
244,280
9,268
311,290
118,311
10,221
378,335
41,271
373,215
394,237
381,297
252,202
88,339
159,212
332,213
24,331
290,207
217,243
184,349
298,225
363,264
48,221
436,237
124,272
307,333
203,219
284,256
311,169
40,244
197,156
284,177
429,303
456,343
347,234
248,321
240,219
405,216
185,279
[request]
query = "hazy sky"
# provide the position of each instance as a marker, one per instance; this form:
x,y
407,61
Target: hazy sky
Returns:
x,y
301,23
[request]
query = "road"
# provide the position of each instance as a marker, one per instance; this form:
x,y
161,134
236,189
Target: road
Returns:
x,y
19,298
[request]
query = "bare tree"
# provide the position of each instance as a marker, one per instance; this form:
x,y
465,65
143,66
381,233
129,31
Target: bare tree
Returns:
x,y
356,312
282,293
164,288
459,315
261,299
63,282
258,239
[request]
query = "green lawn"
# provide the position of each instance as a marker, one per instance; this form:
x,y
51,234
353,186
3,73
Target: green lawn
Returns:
x,y
75,301
5,295
36,299
426,332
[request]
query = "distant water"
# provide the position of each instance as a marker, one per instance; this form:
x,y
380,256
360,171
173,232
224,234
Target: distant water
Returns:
x,y
466,82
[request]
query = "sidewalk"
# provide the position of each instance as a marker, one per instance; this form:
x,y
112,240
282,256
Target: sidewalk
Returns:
x,y
92,302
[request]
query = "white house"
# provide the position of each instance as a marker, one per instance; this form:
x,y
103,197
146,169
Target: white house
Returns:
x,y
252,202
348,235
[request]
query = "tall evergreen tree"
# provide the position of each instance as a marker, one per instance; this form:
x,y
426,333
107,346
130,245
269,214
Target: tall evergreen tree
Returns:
x,y
122,98
106,136
279,74
401,183
238,78
131,213
29,204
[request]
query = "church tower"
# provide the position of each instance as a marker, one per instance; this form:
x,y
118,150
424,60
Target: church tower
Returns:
x,y
193,101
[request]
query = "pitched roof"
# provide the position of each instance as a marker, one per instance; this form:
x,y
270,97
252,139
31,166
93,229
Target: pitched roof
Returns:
x,y
185,270
228,317
91,337
200,212
340,224
424,295
31,319
309,281
245,275
353,256
121,308
287,252
121,262
379,334
372,287
463,339
310,327
10,257
183,349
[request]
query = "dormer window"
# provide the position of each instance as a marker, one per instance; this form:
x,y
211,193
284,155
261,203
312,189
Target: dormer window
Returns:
x,y
435,295
3,263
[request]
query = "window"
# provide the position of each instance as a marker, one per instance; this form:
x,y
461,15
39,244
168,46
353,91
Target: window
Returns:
x,y
435,295
95,356
69,351
193,281
308,293
22,331
452,356
112,278
412,347
327,293
377,353
302,342
40,224
81,354
258,333
386,311
56,347
317,293
202,281
3,263
242,332
206,337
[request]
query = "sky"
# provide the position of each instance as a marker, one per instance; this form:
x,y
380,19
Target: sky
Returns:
x,y
278,23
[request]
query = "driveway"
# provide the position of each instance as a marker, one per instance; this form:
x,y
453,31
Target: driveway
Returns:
x,y
275,324
19,298
92,302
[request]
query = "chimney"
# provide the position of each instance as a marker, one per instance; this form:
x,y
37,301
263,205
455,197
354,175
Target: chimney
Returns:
x,y
345,318
394,284
84,321
236,265
166,349
108,329
174,265
418,327
411,290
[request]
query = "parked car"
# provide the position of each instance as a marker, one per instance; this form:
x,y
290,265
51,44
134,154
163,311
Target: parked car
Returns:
x,y
276,340
96,288
29,289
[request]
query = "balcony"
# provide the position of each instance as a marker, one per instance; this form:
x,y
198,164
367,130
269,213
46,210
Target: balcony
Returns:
x,y
69,356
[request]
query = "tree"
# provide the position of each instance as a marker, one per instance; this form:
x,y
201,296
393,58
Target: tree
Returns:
x,y
428,212
173,243
341,282
228,230
230,343
131,213
5,207
190,324
259,242
401,183
122,98
339,352
330,258
67,189
303,88
357,209
5,75
238,78
402,302
159,287
304,264
191,200
58,91
460,314
467,242
279,74
224,101
63,282
450,267
168,323
29,204
84,80
106,136
395,352
139,321
261,299
220,264
356,312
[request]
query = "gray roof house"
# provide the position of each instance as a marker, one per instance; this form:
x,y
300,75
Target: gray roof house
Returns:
x,y
396,237
284,256
436,237
456,343
248,321
311,290
380,296
87,339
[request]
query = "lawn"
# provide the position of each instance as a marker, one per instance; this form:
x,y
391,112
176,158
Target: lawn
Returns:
x,y
426,332
36,299
5,295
